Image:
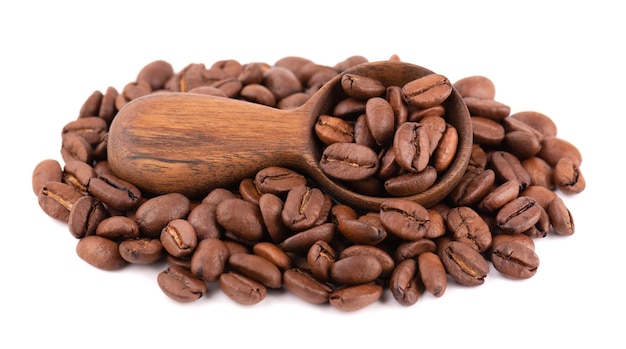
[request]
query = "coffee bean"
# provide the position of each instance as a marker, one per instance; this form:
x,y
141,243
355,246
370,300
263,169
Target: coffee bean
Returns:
x,y
242,289
115,192
361,87
48,170
476,86
303,208
514,260
305,286
403,282
464,263
179,238
85,216
240,218
118,227
518,215
412,147
278,180
427,91
348,161
432,273
56,200
181,285
352,298
141,250
256,268
154,214
467,226
404,218
100,252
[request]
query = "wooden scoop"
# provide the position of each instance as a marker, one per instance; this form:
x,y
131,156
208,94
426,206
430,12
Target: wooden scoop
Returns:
x,y
191,143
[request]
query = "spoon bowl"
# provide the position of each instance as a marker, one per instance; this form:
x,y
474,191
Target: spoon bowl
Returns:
x,y
191,143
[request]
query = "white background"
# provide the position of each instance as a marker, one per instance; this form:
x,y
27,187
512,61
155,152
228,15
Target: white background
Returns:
x,y
564,59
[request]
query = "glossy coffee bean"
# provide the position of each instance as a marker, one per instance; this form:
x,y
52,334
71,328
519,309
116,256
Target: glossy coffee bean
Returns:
x,y
518,215
404,218
432,273
361,87
411,146
240,218
56,200
278,180
85,216
467,226
154,214
303,207
256,268
181,285
403,283
141,250
352,298
45,171
427,91
305,286
349,161
514,260
242,289
179,238
463,263
115,192
100,252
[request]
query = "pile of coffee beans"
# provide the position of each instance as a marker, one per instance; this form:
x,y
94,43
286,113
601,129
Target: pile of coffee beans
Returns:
x,y
279,230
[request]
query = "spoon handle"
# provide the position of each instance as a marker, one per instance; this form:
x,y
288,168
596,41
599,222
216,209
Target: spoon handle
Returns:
x,y
191,143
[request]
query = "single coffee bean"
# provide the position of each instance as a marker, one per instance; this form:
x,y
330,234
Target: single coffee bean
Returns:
x,y
487,132
256,268
541,194
412,249
204,221
403,283
514,260
404,218
154,214
282,82
331,129
411,183
90,128
518,238
560,217
352,298
278,180
518,215
553,149
386,261
209,259
56,200
303,208
251,73
478,157
303,240
320,258
412,147
360,232
467,226
362,134
100,252
118,227
242,289
45,171
141,250
507,167
305,286
522,144
464,263
540,172
348,108
435,125
417,115
75,147
354,270
272,253
475,184
91,105
388,167
107,109
499,196
542,227
218,195
248,191
240,218
115,192
85,216
436,226
179,238
156,74
476,86
257,93
568,177
445,152
78,174
181,285
361,87
396,100
271,207
348,161
487,107
427,91
380,119
537,121
432,273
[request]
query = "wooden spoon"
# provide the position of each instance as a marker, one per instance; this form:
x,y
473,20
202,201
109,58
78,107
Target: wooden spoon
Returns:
x,y
191,143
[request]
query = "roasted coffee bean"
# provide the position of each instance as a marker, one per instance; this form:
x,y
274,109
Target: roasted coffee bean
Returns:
x,y
360,232
499,196
361,87
487,107
348,161
560,217
282,82
271,207
467,226
303,240
320,258
403,282
542,227
568,177
464,263
352,298
396,100
349,107
209,259
354,270
156,74
256,268
411,183
141,250
362,134
518,215
432,273
242,289
181,285
240,218
100,252
475,184
46,171
272,253
304,206
518,238
90,128
257,93
478,157
554,149
107,109
386,261
412,249
508,167
179,238
540,172
154,214
412,147
521,144
445,152
78,174
278,180
380,119
115,192
537,121
305,286
85,216
476,86
404,218
248,191
204,221
541,194
514,260
487,132
56,200
75,147
91,105
436,226
427,91
251,73
118,227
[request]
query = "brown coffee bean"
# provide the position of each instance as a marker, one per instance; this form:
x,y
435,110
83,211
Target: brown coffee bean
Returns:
x,y
518,215
411,183
487,132
256,268
380,119
396,100
282,82
100,252
521,144
218,195
354,270
209,259
242,289
475,184
303,240
388,167
427,91
478,157
403,283
352,298
404,218
257,93
542,227
271,207
331,129
350,62
251,73
204,221
85,216
412,147
467,226
115,192
240,218
278,180
360,232
508,167
362,134
90,128
514,260
348,108
303,208
499,196
248,191
540,172
342,211
537,121
418,114
75,147
476,86
432,273
45,171
560,217
348,161
179,238
181,285
487,107
320,258
568,177
154,214
361,87
517,238
272,253
305,286
91,105
412,249
141,250
56,200
553,149
463,263
156,74
541,194
118,227
78,174
386,261
445,152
